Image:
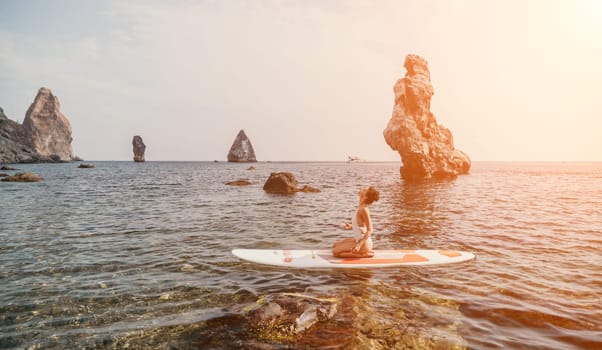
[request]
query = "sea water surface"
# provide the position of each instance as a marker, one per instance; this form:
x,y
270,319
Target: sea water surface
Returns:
x,y
138,255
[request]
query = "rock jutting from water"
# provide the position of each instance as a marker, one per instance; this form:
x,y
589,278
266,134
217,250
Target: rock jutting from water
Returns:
x,y
47,129
23,177
426,148
139,148
242,149
283,182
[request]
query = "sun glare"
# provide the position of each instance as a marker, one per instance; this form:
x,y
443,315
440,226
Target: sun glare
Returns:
x,y
588,14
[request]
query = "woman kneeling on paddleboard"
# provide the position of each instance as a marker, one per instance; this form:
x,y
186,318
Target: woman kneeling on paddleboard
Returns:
x,y
360,246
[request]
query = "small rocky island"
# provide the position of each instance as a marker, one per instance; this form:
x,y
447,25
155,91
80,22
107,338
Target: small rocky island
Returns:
x,y
242,149
426,148
44,136
139,148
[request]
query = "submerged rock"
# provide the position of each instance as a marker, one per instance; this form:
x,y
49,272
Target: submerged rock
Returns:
x,y
242,149
286,315
23,177
86,166
48,131
238,183
426,148
275,321
307,188
139,148
281,182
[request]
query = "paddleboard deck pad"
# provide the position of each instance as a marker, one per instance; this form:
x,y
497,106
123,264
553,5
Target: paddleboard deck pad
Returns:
x,y
304,258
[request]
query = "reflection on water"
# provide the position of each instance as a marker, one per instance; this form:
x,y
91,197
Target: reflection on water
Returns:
x,y
412,212
138,255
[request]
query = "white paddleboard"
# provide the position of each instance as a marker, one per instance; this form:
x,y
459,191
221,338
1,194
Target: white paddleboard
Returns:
x,y
324,259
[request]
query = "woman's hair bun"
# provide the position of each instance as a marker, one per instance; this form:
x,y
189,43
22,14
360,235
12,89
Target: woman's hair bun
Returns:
x,y
372,195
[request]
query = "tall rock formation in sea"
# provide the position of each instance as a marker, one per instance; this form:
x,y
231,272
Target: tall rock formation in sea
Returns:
x,y
242,149
48,130
426,148
139,148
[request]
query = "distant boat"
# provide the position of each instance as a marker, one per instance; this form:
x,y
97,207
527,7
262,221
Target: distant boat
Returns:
x,y
353,159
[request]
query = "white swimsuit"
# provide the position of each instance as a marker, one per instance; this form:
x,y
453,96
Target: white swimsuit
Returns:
x,y
360,231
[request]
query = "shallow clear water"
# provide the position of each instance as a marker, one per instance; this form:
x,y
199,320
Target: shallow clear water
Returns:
x,y
138,255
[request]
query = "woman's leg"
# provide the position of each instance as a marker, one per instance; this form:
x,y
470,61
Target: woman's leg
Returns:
x,y
345,249
344,245
350,254
367,249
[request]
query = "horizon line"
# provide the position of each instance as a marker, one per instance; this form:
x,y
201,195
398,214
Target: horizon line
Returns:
x,y
331,161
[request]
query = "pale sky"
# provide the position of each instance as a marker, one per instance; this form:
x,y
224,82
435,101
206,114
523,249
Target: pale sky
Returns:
x,y
307,80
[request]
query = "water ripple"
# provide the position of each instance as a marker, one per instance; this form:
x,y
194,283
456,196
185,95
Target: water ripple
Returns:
x,y
138,255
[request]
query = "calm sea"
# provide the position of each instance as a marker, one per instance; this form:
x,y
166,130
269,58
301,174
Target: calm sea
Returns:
x,y
138,255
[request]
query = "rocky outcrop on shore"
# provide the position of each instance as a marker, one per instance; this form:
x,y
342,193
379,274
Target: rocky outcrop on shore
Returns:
x,y
426,148
242,149
48,130
139,148
44,136
14,143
